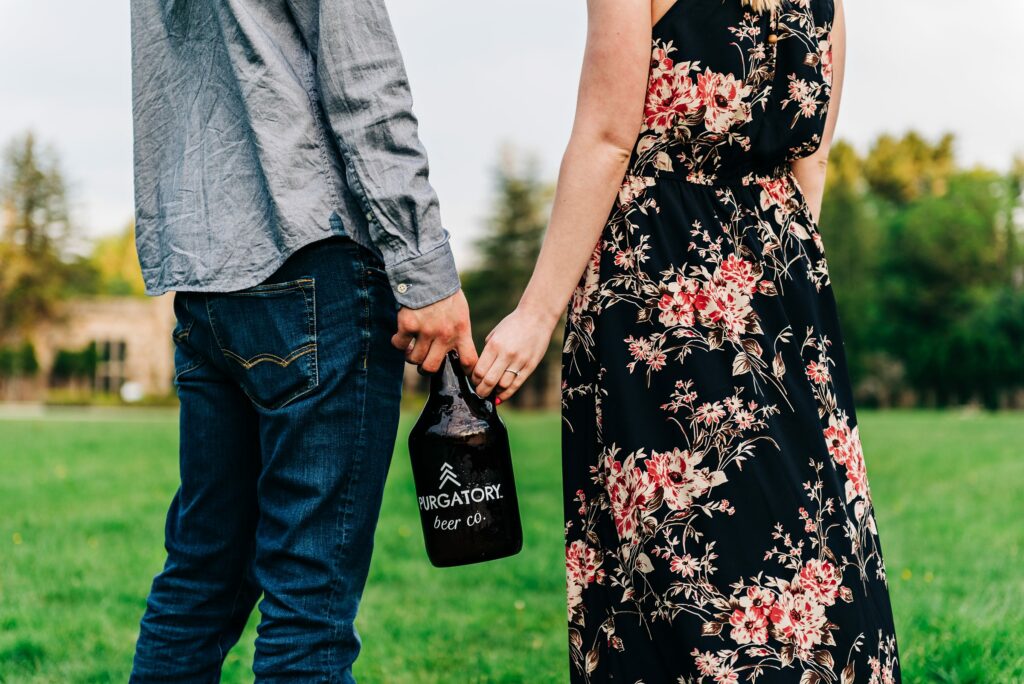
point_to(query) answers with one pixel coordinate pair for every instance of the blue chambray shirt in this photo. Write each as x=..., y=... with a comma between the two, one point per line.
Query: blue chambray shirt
x=265, y=125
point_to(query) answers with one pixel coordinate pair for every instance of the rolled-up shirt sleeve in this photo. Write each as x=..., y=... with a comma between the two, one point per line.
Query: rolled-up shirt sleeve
x=365, y=93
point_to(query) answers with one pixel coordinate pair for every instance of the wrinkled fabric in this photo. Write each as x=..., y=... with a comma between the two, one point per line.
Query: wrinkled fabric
x=265, y=125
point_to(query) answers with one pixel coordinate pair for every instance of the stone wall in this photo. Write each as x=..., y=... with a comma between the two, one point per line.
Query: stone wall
x=143, y=325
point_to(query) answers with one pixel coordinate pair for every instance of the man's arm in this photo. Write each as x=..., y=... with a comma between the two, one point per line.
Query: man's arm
x=365, y=92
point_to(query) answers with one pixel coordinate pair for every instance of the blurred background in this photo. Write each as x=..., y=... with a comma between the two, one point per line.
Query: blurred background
x=923, y=226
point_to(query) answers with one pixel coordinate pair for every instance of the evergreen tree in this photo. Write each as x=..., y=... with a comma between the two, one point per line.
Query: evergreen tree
x=507, y=253
x=851, y=228
x=34, y=232
x=945, y=263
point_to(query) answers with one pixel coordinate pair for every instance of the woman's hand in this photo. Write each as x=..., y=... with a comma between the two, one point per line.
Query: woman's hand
x=517, y=344
x=609, y=111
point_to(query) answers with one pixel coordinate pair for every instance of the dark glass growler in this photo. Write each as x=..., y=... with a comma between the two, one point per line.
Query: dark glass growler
x=463, y=471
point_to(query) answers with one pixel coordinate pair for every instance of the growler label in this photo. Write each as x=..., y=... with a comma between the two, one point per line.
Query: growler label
x=462, y=467
x=459, y=497
x=466, y=496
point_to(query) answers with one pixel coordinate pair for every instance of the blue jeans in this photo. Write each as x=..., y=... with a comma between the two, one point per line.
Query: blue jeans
x=289, y=396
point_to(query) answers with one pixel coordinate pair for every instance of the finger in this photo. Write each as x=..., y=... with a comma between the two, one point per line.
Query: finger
x=493, y=377
x=402, y=339
x=420, y=349
x=511, y=389
x=467, y=351
x=407, y=329
x=483, y=364
x=434, y=359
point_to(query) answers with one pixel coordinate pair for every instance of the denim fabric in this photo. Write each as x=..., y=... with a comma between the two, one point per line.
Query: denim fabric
x=264, y=125
x=289, y=406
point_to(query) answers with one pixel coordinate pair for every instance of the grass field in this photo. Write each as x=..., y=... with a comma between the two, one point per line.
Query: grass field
x=82, y=502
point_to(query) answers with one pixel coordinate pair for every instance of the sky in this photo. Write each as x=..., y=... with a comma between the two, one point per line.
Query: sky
x=487, y=74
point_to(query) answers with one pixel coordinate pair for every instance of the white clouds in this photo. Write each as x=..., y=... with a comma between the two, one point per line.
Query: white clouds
x=487, y=73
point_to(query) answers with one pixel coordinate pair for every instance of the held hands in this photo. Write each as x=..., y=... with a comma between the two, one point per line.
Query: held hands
x=427, y=334
x=512, y=352
x=518, y=343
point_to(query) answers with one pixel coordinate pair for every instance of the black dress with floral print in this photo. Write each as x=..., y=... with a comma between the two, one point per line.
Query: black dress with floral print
x=719, y=525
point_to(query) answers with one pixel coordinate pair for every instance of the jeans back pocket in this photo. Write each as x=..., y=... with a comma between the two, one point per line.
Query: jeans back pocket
x=267, y=335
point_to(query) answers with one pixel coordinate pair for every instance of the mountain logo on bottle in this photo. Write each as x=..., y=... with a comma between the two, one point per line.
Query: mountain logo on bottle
x=448, y=476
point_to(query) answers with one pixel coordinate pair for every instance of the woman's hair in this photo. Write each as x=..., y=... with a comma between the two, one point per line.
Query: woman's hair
x=763, y=5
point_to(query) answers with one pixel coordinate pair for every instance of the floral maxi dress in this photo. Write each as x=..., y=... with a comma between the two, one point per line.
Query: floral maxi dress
x=719, y=525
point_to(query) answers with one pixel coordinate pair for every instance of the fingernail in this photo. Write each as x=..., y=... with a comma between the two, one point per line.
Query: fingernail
x=497, y=402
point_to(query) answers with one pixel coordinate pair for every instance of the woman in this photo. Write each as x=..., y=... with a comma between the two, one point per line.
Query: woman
x=719, y=525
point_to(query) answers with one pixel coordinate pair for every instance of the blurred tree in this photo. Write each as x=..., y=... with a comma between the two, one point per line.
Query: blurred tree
x=26, y=361
x=852, y=231
x=984, y=363
x=116, y=264
x=75, y=366
x=34, y=231
x=507, y=254
x=901, y=170
x=927, y=267
x=946, y=257
x=18, y=361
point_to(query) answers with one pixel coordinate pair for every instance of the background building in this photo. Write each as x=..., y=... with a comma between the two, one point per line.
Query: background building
x=131, y=339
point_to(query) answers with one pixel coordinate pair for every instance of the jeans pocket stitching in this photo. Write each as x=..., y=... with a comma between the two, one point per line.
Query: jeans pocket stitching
x=273, y=288
x=188, y=369
x=181, y=332
x=270, y=358
x=307, y=288
x=182, y=335
x=195, y=362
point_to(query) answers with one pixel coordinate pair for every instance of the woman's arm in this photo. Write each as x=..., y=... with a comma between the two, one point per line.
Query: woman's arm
x=810, y=171
x=609, y=112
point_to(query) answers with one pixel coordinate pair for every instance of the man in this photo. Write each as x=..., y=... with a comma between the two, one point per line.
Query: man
x=282, y=192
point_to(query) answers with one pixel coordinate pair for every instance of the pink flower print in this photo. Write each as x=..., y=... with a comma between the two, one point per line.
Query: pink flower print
x=723, y=99
x=818, y=372
x=799, y=619
x=671, y=96
x=681, y=302
x=630, y=490
x=820, y=580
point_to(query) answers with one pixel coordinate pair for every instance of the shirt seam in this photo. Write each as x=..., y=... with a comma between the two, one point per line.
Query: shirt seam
x=312, y=95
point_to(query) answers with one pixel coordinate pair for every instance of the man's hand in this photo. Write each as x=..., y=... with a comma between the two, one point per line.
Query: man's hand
x=427, y=334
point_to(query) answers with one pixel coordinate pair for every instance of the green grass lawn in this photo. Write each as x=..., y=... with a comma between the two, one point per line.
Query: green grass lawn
x=81, y=513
